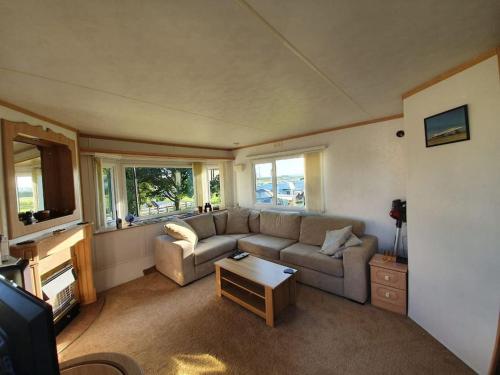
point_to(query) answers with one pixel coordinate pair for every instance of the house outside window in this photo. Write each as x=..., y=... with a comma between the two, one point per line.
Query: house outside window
x=280, y=182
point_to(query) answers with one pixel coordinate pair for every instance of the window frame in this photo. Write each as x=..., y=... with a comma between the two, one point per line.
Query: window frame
x=274, y=181
x=114, y=200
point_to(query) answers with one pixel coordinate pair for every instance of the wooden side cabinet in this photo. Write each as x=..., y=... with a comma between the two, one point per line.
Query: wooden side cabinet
x=389, y=284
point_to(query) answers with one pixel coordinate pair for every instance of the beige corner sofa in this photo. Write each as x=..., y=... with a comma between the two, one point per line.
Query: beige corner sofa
x=286, y=238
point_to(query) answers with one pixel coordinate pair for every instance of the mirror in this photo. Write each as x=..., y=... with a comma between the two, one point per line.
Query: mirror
x=29, y=180
x=41, y=191
x=40, y=168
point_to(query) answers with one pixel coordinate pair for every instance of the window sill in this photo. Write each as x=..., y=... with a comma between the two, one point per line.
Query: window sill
x=144, y=222
x=149, y=221
x=273, y=207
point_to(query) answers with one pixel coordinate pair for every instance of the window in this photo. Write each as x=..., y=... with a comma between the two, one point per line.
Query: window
x=290, y=182
x=214, y=185
x=29, y=185
x=280, y=182
x=264, y=183
x=109, y=195
x=150, y=189
x=158, y=190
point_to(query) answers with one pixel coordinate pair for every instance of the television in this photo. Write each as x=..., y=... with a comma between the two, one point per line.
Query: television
x=27, y=337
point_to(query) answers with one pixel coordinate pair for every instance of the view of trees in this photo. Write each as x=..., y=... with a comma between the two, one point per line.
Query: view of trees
x=147, y=185
x=215, y=189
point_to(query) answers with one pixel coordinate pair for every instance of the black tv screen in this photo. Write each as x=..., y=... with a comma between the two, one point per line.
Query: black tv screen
x=27, y=338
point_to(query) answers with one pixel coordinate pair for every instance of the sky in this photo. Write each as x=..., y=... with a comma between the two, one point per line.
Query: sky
x=445, y=121
x=291, y=167
x=24, y=182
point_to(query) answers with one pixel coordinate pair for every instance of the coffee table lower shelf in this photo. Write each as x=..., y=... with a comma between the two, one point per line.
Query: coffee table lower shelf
x=263, y=301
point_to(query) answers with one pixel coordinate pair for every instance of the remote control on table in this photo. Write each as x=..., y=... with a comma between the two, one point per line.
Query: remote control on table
x=240, y=255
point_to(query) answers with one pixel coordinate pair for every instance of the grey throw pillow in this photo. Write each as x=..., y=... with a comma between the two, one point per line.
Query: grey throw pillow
x=237, y=221
x=254, y=221
x=203, y=225
x=220, y=220
x=180, y=230
x=352, y=241
x=334, y=239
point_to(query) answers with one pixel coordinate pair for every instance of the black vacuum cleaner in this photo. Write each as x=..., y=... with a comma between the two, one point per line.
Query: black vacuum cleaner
x=398, y=212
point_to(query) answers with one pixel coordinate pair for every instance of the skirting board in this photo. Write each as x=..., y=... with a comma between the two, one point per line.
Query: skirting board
x=124, y=272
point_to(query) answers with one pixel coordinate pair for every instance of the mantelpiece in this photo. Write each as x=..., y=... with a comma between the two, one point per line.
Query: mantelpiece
x=50, y=251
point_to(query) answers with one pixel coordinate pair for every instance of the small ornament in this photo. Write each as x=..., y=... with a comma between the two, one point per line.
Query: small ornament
x=129, y=219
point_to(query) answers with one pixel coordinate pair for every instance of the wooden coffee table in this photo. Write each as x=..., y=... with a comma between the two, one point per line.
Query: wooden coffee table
x=256, y=284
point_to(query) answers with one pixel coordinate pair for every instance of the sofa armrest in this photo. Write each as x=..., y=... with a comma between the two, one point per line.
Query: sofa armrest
x=175, y=259
x=356, y=269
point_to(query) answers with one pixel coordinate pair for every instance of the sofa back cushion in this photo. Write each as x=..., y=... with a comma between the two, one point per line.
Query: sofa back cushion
x=203, y=225
x=280, y=224
x=237, y=221
x=180, y=230
x=254, y=221
x=220, y=220
x=313, y=228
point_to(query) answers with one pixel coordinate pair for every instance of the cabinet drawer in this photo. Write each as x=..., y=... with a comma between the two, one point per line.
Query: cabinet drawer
x=389, y=298
x=388, y=277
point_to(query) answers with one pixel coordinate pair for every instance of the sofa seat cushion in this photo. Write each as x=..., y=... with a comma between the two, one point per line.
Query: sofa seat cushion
x=203, y=225
x=313, y=228
x=264, y=245
x=212, y=247
x=280, y=224
x=308, y=256
x=238, y=236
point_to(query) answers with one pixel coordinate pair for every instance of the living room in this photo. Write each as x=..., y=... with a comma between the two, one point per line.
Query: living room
x=347, y=153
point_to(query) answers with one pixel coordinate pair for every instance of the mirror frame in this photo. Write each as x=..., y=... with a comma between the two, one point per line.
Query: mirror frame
x=11, y=131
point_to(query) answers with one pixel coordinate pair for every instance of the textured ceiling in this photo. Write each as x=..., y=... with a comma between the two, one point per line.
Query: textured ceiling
x=217, y=72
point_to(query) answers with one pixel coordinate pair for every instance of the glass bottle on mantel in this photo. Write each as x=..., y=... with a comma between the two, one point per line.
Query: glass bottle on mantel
x=118, y=221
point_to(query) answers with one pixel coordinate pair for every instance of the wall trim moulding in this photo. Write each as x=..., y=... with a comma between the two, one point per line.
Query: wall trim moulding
x=455, y=70
x=327, y=130
x=149, y=142
x=38, y=116
x=92, y=151
x=296, y=151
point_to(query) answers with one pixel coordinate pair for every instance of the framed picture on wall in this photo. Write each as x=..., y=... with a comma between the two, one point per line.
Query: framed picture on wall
x=447, y=127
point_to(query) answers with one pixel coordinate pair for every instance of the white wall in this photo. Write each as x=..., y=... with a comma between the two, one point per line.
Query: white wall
x=364, y=170
x=11, y=115
x=454, y=216
x=123, y=255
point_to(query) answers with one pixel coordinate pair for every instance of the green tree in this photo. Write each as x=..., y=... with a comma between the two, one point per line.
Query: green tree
x=158, y=184
x=215, y=189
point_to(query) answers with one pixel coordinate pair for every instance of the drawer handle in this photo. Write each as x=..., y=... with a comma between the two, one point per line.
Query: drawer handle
x=387, y=295
x=387, y=277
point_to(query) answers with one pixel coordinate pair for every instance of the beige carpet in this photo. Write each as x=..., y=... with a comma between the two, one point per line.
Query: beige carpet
x=173, y=330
